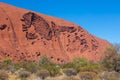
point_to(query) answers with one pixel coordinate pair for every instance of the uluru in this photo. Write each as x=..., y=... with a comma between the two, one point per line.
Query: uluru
x=27, y=35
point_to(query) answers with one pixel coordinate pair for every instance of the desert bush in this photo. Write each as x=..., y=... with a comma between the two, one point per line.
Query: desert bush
x=93, y=67
x=3, y=75
x=87, y=75
x=45, y=63
x=80, y=61
x=70, y=72
x=19, y=65
x=6, y=64
x=53, y=70
x=43, y=74
x=7, y=61
x=109, y=59
x=76, y=64
x=29, y=66
x=24, y=74
x=109, y=75
x=67, y=65
x=117, y=63
x=44, y=60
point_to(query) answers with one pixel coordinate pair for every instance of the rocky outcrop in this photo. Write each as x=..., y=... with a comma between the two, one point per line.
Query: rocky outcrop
x=26, y=35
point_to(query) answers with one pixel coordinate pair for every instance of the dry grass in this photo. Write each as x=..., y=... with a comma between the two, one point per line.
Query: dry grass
x=12, y=77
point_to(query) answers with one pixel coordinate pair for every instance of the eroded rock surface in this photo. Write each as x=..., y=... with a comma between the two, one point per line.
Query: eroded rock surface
x=27, y=35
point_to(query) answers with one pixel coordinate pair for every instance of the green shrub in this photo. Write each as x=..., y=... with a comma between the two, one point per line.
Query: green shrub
x=7, y=61
x=29, y=66
x=6, y=64
x=67, y=65
x=43, y=74
x=3, y=75
x=19, y=65
x=44, y=60
x=80, y=61
x=76, y=64
x=53, y=68
x=91, y=67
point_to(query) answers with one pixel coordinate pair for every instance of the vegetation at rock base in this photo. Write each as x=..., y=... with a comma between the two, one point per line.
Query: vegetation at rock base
x=43, y=74
x=111, y=61
x=87, y=75
x=76, y=64
x=70, y=72
x=79, y=69
x=23, y=75
x=29, y=66
x=45, y=63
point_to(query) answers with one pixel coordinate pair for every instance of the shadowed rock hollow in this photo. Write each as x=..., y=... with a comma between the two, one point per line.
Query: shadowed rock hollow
x=26, y=35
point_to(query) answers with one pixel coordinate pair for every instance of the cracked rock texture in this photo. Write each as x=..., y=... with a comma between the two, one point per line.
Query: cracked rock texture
x=26, y=35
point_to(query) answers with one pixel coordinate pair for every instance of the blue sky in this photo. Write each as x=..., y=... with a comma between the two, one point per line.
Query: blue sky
x=99, y=17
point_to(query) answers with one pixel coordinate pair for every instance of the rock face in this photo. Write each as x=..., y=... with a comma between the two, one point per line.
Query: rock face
x=26, y=35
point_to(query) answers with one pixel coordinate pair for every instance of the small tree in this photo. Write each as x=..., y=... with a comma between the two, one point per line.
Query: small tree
x=108, y=61
x=117, y=46
x=117, y=63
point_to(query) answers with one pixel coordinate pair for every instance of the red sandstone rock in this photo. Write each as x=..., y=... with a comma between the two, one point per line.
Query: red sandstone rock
x=26, y=35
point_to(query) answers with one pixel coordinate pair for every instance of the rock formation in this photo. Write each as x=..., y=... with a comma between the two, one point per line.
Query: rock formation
x=26, y=35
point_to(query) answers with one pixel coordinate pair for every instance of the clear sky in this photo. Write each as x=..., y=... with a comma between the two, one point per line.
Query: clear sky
x=99, y=17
